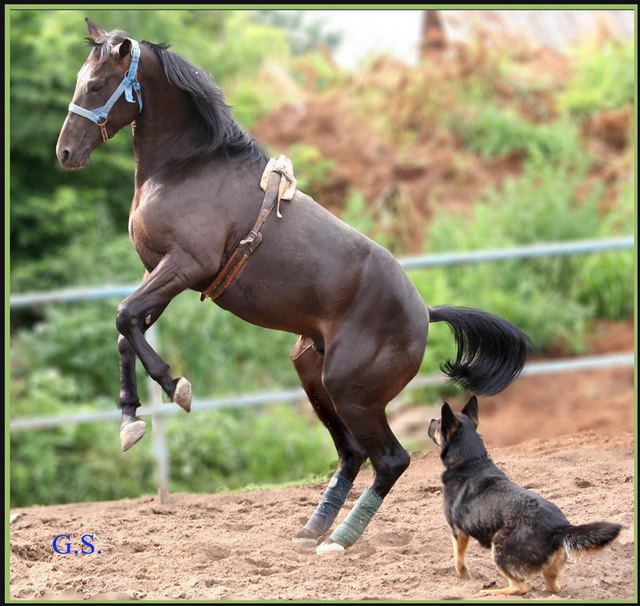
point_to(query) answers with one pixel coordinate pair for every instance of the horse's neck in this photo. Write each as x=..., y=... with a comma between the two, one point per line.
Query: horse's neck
x=164, y=137
x=170, y=142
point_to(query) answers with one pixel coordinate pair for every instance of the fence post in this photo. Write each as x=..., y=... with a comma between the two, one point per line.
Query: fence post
x=160, y=452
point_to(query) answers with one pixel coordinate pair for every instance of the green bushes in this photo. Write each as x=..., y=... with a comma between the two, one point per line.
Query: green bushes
x=495, y=132
x=230, y=449
x=208, y=451
x=603, y=81
x=77, y=463
x=219, y=352
x=77, y=343
x=552, y=299
x=603, y=284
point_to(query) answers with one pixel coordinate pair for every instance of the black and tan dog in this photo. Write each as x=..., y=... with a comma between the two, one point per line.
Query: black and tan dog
x=526, y=533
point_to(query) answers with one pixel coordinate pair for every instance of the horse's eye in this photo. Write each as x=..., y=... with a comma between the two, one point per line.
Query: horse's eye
x=95, y=88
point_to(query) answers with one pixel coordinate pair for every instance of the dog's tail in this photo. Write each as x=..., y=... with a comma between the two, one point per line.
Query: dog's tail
x=491, y=350
x=589, y=537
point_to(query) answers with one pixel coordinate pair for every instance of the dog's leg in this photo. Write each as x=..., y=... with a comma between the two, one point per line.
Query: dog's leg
x=516, y=587
x=552, y=569
x=460, y=542
x=505, y=548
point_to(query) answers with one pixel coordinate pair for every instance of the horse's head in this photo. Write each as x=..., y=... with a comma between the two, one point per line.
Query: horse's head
x=106, y=98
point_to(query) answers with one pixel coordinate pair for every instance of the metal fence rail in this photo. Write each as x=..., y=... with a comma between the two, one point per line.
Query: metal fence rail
x=296, y=395
x=158, y=410
x=548, y=249
x=73, y=295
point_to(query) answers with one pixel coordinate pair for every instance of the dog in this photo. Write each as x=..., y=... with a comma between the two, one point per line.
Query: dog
x=526, y=533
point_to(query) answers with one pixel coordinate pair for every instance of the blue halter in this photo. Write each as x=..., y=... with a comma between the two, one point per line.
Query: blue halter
x=129, y=86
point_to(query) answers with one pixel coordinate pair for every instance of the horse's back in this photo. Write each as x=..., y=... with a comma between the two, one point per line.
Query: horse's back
x=313, y=271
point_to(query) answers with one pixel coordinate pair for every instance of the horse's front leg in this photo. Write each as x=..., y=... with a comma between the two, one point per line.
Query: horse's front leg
x=132, y=427
x=174, y=274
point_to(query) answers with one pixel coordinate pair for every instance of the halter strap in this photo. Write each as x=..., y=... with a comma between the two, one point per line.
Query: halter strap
x=129, y=86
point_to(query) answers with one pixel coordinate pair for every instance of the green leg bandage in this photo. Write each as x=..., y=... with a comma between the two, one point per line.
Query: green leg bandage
x=356, y=521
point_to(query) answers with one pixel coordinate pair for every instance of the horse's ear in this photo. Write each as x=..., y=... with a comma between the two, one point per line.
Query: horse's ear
x=124, y=48
x=95, y=32
x=448, y=422
x=471, y=410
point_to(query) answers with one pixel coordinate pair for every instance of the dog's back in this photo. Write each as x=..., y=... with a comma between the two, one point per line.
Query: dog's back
x=480, y=500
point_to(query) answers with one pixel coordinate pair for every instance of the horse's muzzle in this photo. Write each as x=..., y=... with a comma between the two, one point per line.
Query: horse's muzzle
x=71, y=160
x=76, y=141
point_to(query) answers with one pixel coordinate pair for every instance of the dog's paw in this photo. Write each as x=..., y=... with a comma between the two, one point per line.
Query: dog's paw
x=464, y=574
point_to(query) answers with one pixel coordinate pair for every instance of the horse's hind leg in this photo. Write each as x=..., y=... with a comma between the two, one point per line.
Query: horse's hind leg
x=361, y=379
x=308, y=364
x=389, y=462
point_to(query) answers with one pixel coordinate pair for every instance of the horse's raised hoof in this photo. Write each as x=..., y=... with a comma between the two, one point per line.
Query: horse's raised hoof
x=182, y=394
x=330, y=547
x=131, y=433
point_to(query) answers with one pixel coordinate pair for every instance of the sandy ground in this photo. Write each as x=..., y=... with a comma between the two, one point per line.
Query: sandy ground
x=239, y=547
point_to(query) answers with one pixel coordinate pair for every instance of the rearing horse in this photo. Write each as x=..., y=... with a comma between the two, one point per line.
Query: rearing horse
x=362, y=323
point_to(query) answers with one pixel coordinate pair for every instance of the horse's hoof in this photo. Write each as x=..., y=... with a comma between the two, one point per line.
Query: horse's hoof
x=182, y=394
x=305, y=542
x=330, y=547
x=131, y=434
x=306, y=538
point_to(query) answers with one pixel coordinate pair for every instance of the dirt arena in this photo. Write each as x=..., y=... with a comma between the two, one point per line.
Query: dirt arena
x=568, y=437
x=238, y=546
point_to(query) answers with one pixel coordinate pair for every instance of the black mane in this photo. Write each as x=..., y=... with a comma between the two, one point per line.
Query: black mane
x=224, y=135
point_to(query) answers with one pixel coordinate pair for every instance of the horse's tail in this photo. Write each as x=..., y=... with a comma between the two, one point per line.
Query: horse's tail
x=491, y=350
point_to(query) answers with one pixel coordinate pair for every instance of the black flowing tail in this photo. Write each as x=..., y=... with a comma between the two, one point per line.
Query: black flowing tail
x=589, y=537
x=491, y=350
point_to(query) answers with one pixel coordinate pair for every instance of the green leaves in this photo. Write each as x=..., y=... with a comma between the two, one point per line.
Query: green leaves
x=603, y=80
x=496, y=133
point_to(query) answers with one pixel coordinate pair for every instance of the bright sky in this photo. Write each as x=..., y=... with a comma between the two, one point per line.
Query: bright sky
x=365, y=31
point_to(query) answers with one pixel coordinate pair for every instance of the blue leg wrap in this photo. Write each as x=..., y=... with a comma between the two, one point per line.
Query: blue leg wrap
x=332, y=500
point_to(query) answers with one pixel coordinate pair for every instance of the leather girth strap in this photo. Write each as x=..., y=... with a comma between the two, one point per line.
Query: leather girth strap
x=250, y=243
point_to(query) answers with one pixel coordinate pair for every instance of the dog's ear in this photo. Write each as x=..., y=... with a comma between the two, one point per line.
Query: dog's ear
x=448, y=422
x=471, y=410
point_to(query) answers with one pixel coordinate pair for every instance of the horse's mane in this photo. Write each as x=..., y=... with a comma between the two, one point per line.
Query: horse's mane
x=224, y=135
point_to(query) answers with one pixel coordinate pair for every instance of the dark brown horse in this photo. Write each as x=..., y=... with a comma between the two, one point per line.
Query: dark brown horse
x=362, y=323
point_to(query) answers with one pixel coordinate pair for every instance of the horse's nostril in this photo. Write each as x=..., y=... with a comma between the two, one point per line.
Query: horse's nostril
x=63, y=155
